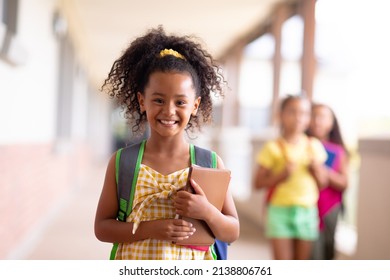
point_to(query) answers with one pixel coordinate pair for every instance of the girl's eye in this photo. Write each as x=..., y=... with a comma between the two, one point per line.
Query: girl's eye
x=180, y=103
x=158, y=101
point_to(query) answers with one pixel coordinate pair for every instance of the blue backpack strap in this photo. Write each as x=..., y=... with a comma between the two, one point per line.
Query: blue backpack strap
x=206, y=158
x=127, y=164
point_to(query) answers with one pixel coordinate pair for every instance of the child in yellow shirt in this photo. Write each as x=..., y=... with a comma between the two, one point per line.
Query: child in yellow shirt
x=291, y=167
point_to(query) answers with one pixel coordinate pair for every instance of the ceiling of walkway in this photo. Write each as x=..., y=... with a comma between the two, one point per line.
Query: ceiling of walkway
x=101, y=29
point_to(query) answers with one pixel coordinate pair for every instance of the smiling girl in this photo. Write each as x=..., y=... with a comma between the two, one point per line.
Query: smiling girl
x=164, y=82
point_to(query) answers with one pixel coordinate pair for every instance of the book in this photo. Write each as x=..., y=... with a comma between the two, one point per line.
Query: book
x=214, y=183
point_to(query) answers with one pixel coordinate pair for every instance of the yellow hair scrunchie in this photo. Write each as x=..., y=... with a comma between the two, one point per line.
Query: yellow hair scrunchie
x=165, y=52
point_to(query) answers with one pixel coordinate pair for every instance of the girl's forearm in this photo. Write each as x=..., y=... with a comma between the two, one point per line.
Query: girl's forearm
x=114, y=231
x=270, y=180
x=337, y=180
x=225, y=227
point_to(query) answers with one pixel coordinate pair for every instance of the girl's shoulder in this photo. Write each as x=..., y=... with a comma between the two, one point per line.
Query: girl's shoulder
x=272, y=147
x=316, y=149
x=314, y=141
x=333, y=146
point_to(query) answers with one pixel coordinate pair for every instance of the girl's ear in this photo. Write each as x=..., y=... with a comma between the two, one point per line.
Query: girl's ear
x=196, y=106
x=141, y=102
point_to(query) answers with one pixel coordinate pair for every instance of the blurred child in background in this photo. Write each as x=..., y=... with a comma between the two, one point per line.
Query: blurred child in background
x=291, y=166
x=325, y=127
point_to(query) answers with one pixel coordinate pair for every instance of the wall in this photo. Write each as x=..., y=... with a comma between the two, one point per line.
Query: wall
x=27, y=122
x=28, y=102
x=43, y=162
x=373, y=224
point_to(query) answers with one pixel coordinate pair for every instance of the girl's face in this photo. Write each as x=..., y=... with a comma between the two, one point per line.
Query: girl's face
x=295, y=116
x=321, y=122
x=169, y=101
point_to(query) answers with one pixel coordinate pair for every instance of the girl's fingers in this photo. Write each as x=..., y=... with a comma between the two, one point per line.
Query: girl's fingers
x=197, y=188
x=180, y=223
x=182, y=232
x=182, y=195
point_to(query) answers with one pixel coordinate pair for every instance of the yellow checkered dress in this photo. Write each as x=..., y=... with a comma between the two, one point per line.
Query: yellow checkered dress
x=152, y=200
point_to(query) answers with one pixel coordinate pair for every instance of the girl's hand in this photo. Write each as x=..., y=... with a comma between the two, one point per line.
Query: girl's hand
x=313, y=168
x=170, y=229
x=289, y=169
x=192, y=205
x=319, y=172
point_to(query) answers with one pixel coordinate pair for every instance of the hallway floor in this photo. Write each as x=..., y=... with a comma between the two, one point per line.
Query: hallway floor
x=69, y=234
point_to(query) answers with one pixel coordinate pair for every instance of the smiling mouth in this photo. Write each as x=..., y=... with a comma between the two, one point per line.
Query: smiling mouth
x=165, y=122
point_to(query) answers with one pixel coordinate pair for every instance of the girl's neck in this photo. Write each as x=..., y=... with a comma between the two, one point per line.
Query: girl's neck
x=292, y=138
x=322, y=138
x=166, y=155
x=325, y=139
x=165, y=145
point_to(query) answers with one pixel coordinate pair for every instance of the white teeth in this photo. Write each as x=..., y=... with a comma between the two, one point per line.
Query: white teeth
x=167, y=122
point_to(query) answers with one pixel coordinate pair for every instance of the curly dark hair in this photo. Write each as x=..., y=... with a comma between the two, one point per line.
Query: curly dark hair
x=130, y=73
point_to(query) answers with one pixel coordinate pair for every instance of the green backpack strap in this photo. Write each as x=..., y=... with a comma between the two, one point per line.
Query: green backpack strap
x=127, y=164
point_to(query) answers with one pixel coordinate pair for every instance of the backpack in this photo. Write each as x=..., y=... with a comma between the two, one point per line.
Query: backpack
x=127, y=164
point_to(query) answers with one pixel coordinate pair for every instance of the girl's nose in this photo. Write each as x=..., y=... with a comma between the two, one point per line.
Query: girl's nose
x=169, y=109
